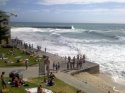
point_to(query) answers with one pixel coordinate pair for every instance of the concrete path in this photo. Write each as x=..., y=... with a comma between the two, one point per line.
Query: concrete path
x=67, y=78
x=29, y=73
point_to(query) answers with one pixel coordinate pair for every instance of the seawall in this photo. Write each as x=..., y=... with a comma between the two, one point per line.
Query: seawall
x=90, y=67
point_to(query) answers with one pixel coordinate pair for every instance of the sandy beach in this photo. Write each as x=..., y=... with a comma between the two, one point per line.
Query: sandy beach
x=101, y=81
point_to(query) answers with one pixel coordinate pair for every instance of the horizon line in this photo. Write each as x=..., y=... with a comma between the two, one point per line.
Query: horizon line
x=66, y=22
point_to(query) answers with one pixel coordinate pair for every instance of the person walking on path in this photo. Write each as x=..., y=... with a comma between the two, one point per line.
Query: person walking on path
x=26, y=64
x=3, y=82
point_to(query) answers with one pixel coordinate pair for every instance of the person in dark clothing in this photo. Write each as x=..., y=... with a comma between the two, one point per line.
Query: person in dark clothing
x=58, y=65
x=54, y=65
x=50, y=79
x=73, y=63
x=3, y=82
x=26, y=64
x=1, y=91
x=56, y=68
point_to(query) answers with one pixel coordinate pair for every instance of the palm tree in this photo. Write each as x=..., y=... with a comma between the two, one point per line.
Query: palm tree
x=3, y=27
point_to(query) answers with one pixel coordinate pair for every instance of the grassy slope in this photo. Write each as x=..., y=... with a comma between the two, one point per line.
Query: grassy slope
x=32, y=60
x=59, y=87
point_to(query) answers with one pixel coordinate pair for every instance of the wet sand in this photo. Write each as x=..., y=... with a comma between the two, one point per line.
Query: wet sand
x=101, y=81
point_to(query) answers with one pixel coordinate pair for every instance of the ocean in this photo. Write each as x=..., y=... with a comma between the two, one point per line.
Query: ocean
x=101, y=43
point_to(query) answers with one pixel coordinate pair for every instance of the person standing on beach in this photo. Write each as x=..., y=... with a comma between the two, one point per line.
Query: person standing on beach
x=3, y=83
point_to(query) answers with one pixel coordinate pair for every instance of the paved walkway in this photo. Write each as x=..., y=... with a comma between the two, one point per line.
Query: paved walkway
x=29, y=73
x=67, y=78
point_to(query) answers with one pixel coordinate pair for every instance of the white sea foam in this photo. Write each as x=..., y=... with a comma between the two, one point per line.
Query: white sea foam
x=121, y=38
x=111, y=57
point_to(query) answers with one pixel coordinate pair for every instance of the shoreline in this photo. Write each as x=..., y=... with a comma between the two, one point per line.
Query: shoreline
x=102, y=81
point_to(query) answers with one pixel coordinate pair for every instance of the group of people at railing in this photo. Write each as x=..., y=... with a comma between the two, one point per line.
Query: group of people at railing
x=75, y=62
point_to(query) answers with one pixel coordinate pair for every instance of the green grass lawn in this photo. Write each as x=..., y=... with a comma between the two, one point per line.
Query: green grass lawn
x=13, y=58
x=59, y=87
x=21, y=89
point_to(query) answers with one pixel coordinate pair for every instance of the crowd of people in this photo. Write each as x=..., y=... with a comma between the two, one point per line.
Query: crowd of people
x=75, y=62
x=16, y=80
x=56, y=66
x=19, y=43
x=28, y=48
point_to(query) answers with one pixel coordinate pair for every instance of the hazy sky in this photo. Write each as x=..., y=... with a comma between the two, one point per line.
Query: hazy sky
x=95, y=11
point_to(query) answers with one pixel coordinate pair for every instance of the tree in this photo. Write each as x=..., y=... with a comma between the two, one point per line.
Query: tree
x=3, y=27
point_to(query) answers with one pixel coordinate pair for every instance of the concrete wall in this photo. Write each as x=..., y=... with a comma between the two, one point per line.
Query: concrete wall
x=92, y=70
